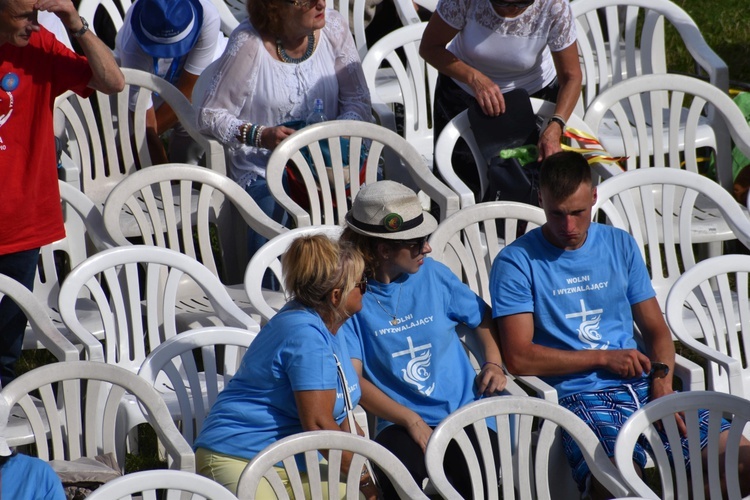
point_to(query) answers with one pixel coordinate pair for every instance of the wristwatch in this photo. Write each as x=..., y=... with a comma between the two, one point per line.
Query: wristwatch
x=82, y=31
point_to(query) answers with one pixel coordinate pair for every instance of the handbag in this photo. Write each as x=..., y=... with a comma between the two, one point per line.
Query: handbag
x=503, y=140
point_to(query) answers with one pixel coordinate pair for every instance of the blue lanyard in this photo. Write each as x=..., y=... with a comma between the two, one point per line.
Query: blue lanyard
x=174, y=69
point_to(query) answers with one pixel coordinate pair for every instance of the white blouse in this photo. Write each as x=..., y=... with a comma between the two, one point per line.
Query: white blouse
x=249, y=85
x=513, y=52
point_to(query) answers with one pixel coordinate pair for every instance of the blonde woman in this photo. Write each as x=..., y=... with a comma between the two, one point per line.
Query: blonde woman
x=288, y=381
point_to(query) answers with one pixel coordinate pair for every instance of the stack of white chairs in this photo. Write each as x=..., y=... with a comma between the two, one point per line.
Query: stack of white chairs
x=136, y=291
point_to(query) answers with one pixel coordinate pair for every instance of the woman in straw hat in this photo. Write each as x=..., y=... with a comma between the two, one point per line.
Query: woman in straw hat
x=404, y=339
x=289, y=381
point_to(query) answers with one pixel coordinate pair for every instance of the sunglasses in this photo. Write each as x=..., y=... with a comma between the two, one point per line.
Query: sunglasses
x=417, y=244
x=512, y=5
x=362, y=285
x=305, y=5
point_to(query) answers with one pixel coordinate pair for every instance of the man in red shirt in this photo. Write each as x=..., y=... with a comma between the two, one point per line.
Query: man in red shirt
x=34, y=69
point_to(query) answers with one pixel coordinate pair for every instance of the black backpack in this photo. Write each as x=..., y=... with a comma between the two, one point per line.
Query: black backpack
x=518, y=126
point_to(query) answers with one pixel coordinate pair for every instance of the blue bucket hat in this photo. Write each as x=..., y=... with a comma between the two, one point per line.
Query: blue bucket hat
x=167, y=28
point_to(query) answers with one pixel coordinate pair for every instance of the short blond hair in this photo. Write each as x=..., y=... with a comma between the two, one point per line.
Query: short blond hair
x=314, y=266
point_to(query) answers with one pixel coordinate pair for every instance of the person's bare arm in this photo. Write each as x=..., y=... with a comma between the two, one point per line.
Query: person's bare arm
x=379, y=404
x=106, y=75
x=155, y=145
x=657, y=340
x=315, y=409
x=436, y=36
x=165, y=115
x=569, y=78
x=524, y=357
x=491, y=379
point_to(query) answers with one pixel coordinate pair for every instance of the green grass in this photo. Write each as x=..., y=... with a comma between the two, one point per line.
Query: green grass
x=724, y=25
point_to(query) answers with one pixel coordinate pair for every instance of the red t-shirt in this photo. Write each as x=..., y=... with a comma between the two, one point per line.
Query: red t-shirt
x=30, y=214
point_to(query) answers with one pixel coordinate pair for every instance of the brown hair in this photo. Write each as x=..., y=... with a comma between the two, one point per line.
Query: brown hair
x=314, y=266
x=266, y=16
x=562, y=173
x=368, y=247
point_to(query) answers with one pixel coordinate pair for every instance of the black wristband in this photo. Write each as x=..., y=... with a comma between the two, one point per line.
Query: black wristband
x=558, y=120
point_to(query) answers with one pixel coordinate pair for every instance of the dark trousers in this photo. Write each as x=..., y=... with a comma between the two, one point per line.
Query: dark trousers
x=21, y=266
x=397, y=440
x=450, y=100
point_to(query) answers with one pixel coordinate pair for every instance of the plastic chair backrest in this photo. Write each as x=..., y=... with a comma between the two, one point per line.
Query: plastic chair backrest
x=268, y=258
x=161, y=199
x=524, y=455
x=714, y=293
x=195, y=366
x=459, y=127
x=115, y=11
x=307, y=444
x=665, y=132
x=661, y=413
x=110, y=143
x=136, y=290
x=80, y=411
x=322, y=195
x=637, y=26
x=416, y=81
x=168, y=483
x=657, y=207
x=469, y=240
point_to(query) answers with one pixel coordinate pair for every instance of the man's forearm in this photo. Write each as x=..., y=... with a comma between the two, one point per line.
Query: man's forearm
x=106, y=75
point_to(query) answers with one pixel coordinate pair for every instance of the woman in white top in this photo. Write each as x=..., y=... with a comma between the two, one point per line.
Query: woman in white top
x=287, y=54
x=484, y=48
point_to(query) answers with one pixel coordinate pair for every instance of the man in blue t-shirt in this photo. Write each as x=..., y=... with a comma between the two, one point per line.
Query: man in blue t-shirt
x=565, y=297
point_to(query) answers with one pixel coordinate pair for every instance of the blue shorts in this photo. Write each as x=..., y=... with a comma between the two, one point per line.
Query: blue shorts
x=605, y=412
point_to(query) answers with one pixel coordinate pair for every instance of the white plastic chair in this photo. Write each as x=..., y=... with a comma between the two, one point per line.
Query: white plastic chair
x=161, y=199
x=46, y=336
x=307, y=444
x=79, y=416
x=164, y=484
x=321, y=193
x=136, y=290
x=660, y=412
x=416, y=82
x=526, y=429
x=710, y=301
x=191, y=369
x=459, y=126
x=657, y=122
x=84, y=235
x=268, y=257
x=637, y=27
x=659, y=207
x=110, y=143
x=469, y=240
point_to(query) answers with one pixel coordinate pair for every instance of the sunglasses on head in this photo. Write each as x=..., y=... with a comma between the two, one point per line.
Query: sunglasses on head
x=304, y=4
x=511, y=5
x=362, y=285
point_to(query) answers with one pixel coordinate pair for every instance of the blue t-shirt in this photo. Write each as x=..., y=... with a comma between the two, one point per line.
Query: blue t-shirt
x=420, y=361
x=30, y=478
x=293, y=352
x=580, y=299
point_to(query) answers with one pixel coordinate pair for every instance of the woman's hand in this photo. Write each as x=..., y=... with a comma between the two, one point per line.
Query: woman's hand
x=420, y=432
x=488, y=94
x=491, y=379
x=368, y=488
x=270, y=137
x=549, y=141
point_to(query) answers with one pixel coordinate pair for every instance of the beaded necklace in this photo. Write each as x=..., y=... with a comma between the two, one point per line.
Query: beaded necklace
x=296, y=60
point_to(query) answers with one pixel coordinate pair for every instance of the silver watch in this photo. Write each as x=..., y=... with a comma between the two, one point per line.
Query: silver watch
x=83, y=30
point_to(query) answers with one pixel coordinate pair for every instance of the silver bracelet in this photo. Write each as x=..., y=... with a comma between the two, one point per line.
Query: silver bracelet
x=258, y=136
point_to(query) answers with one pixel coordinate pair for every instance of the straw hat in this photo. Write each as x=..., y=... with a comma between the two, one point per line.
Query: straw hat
x=391, y=211
x=167, y=28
